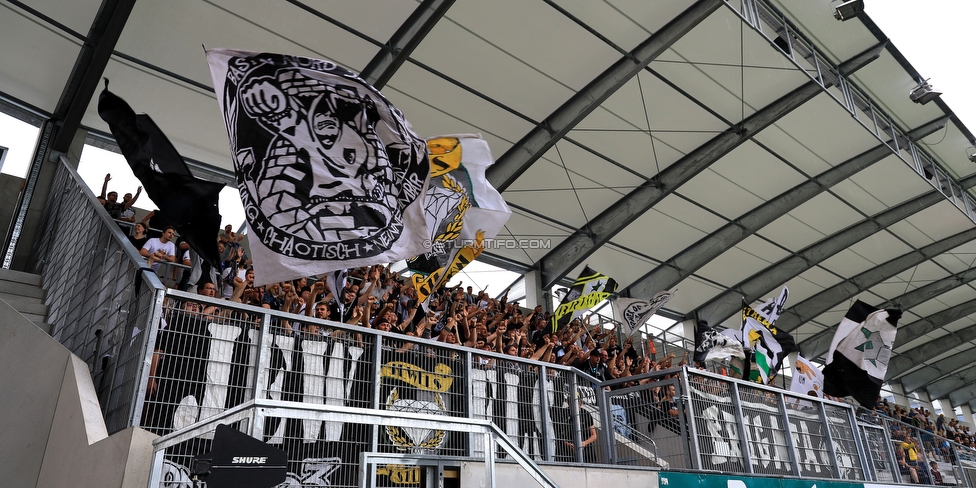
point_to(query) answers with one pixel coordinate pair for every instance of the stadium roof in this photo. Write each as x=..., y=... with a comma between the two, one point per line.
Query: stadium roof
x=721, y=148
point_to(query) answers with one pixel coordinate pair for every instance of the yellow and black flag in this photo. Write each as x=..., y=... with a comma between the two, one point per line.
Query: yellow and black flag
x=769, y=345
x=587, y=291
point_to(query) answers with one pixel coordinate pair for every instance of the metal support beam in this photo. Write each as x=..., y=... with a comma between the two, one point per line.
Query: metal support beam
x=935, y=321
x=730, y=302
x=520, y=156
x=963, y=395
x=952, y=382
x=88, y=69
x=909, y=359
x=571, y=252
x=820, y=342
x=692, y=258
x=810, y=308
x=384, y=65
x=945, y=367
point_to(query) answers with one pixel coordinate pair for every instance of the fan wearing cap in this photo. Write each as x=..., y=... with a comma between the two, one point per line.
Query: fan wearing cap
x=594, y=363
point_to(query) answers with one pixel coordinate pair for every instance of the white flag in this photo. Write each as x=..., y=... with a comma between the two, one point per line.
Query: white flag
x=632, y=313
x=807, y=378
x=330, y=173
x=462, y=209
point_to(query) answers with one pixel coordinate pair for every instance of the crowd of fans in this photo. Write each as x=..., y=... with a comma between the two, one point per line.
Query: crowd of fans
x=375, y=297
x=921, y=443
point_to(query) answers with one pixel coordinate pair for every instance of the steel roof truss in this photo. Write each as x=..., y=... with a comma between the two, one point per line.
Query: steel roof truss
x=754, y=288
x=576, y=248
x=88, y=69
x=710, y=247
x=520, y=156
x=820, y=343
x=384, y=65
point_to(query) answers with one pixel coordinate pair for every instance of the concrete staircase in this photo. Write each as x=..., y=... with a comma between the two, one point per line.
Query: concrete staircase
x=23, y=292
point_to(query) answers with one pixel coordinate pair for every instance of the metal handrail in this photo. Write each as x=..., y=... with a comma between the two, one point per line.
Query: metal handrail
x=278, y=408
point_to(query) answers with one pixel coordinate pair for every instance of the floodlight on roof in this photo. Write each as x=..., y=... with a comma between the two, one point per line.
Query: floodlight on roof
x=972, y=158
x=848, y=10
x=924, y=93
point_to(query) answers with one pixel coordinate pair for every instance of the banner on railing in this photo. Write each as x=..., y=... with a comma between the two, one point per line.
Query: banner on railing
x=204, y=368
x=718, y=435
x=695, y=480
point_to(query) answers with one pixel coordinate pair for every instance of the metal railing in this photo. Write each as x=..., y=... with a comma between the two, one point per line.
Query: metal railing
x=322, y=463
x=173, y=362
x=101, y=298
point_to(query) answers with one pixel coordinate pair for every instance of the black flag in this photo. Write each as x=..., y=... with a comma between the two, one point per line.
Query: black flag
x=857, y=360
x=188, y=203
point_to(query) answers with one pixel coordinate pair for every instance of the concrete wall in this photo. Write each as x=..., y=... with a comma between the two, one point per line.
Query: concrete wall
x=52, y=429
x=10, y=187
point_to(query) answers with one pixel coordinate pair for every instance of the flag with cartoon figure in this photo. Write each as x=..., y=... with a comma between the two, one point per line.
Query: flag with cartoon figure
x=807, y=378
x=330, y=173
x=769, y=345
x=462, y=209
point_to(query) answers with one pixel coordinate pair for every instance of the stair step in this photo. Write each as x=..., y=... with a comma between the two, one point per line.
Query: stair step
x=46, y=327
x=36, y=318
x=25, y=305
x=20, y=277
x=14, y=288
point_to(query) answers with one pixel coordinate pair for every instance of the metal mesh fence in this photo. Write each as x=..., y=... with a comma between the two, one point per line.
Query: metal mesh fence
x=767, y=433
x=716, y=432
x=100, y=299
x=810, y=437
x=915, y=448
x=648, y=427
x=844, y=442
x=421, y=378
x=201, y=364
x=509, y=393
x=878, y=453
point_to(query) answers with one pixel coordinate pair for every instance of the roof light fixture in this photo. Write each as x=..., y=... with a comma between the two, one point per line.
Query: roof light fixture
x=848, y=10
x=924, y=93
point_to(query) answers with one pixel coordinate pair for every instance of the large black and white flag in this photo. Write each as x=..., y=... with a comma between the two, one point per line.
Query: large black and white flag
x=190, y=204
x=859, y=352
x=331, y=174
x=587, y=291
x=632, y=313
x=711, y=344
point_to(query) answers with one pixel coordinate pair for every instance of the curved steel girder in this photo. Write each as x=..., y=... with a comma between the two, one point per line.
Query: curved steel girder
x=812, y=307
x=938, y=378
x=692, y=258
x=385, y=64
x=945, y=367
x=932, y=322
x=754, y=288
x=820, y=342
x=519, y=157
x=909, y=359
x=571, y=252
x=963, y=395
x=89, y=66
